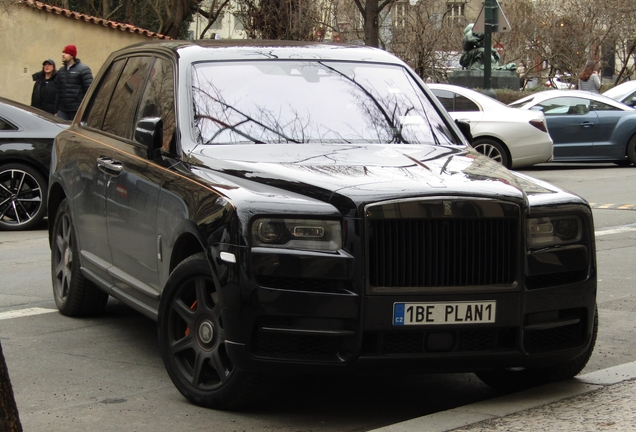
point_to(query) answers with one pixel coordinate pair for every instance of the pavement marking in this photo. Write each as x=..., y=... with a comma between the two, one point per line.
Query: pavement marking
x=613, y=206
x=24, y=312
x=615, y=230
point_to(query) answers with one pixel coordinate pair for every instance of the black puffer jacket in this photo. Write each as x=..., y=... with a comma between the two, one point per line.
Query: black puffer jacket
x=44, y=92
x=72, y=84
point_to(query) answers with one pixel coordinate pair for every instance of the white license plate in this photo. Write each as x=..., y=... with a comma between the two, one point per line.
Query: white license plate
x=443, y=313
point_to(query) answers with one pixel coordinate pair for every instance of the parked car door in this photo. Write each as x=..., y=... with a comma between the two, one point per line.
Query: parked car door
x=572, y=125
x=132, y=191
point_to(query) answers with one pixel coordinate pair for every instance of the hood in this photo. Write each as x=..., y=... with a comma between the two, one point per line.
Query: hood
x=355, y=174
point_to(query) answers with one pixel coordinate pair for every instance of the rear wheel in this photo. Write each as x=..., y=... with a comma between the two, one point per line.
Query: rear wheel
x=74, y=295
x=493, y=150
x=508, y=380
x=192, y=340
x=22, y=197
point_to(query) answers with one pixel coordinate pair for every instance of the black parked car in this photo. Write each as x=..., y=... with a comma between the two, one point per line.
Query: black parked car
x=290, y=207
x=26, y=139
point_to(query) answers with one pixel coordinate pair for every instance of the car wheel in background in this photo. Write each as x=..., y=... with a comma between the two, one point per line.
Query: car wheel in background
x=192, y=340
x=493, y=150
x=74, y=295
x=22, y=197
x=631, y=149
x=508, y=380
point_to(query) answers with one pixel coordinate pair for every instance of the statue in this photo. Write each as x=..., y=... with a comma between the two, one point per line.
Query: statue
x=473, y=55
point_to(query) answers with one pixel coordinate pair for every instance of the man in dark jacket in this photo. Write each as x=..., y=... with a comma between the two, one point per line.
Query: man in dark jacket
x=73, y=80
x=45, y=87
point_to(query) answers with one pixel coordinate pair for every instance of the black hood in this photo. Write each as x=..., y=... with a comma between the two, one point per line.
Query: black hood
x=355, y=174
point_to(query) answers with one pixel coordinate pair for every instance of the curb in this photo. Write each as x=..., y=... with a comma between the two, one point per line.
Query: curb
x=513, y=403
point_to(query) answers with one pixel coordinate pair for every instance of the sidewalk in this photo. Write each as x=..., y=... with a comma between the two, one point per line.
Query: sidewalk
x=598, y=401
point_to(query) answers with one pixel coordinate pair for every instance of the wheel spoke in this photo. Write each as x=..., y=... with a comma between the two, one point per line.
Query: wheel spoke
x=200, y=361
x=184, y=312
x=203, y=298
x=217, y=363
x=187, y=342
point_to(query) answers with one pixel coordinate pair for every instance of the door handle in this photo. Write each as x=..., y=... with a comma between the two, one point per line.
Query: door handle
x=110, y=165
x=587, y=124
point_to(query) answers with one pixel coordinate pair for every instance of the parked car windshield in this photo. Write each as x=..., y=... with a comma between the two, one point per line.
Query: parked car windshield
x=313, y=102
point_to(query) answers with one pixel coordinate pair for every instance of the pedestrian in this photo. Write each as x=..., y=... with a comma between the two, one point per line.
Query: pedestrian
x=589, y=79
x=73, y=80
x=45, y=87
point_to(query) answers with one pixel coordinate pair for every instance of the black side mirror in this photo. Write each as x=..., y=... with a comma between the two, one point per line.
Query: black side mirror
x=464, y=128
x=149, y=132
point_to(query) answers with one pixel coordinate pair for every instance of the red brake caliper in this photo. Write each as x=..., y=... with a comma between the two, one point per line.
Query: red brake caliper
x=193, y=307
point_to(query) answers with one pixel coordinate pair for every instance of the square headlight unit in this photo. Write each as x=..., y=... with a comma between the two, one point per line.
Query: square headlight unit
x=305, y=234
x=554, y=230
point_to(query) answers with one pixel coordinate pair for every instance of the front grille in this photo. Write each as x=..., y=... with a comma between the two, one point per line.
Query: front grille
x=442, y=252
x=296, y=347
x=550, y=339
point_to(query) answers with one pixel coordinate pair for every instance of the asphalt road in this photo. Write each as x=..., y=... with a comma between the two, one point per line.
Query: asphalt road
x=106, y=374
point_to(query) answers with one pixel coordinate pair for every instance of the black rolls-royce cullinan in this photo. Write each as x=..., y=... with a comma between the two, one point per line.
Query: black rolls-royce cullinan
x=311, y=208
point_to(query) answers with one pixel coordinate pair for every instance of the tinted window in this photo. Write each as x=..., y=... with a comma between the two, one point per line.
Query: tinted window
x=313, y=101
x=462, y=103
x=6, y=126
x=565, y=105
x=97, y=108
x=447, y=98
x=600, y=106
x=123, y=105
x=158, y=99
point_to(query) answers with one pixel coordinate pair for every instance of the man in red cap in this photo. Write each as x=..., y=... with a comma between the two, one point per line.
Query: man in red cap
x=73, y=80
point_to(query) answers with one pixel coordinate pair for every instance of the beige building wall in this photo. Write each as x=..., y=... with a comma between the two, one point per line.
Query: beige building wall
x=29, y=36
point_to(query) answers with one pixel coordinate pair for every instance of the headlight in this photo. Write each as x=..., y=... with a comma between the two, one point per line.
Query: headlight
x=550, y=231
x=320, y=235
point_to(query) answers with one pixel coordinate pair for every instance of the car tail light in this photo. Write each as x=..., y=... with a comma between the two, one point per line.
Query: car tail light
x=539, y=124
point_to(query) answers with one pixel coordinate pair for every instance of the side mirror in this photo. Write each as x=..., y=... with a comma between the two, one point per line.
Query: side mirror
x=149, y=133
x=464, y=128
x=536, y=108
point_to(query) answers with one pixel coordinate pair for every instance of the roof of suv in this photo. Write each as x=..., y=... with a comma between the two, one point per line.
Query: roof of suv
x=252, y=49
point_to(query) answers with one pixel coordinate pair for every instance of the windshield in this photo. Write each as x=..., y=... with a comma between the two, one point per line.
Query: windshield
x=312, y=102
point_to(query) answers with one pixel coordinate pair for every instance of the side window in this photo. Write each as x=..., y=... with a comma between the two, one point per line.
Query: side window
x=462, y=103
x=121, y=110
x=94, y=115
x=158, y=100
x=6, y=126
x=566, y=106
x=446, y=98
x=600, y=106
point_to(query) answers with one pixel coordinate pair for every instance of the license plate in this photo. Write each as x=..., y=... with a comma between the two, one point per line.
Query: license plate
x=443, y=313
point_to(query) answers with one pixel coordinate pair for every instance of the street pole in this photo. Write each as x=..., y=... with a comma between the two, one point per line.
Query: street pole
x=488, y=9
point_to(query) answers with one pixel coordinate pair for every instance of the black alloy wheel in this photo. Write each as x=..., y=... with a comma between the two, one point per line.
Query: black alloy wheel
x=631, y=150
x=22, y=197
x=192, y=340
x=493, y=150
x=74, y=295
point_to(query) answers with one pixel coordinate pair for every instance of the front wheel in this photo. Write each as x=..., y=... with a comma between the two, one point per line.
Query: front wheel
x=631, y=150
x=493, y=150
x=508, y=380
x=22, y=197
x=192, y=340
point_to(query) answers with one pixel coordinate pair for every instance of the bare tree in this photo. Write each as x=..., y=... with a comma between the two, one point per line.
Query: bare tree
x=213, y=12
x=279, y=19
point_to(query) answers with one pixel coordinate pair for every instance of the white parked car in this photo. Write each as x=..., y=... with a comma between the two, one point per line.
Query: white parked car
x=514, y=137
x=562, y=82
x=625, y=92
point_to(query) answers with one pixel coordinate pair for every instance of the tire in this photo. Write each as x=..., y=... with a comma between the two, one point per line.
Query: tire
x=192, y=340
x=22, y=197
x=508, y=380
x=74, y=294
x=493, y=150
x=631, y=150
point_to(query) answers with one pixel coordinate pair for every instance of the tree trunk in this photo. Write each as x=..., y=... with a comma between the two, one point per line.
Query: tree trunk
x=9, y=418
x=371, y=26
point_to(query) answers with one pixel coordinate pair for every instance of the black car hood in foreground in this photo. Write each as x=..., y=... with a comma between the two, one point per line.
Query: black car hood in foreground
x=360, y=173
